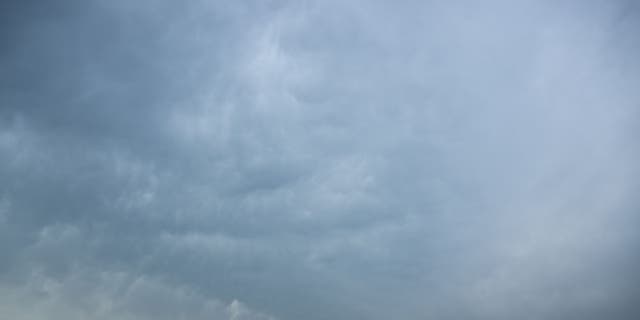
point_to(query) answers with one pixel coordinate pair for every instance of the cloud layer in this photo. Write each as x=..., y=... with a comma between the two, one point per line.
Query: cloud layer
x=319, y=160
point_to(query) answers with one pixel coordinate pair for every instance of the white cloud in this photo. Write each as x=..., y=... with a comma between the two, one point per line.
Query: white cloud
x=92, y=295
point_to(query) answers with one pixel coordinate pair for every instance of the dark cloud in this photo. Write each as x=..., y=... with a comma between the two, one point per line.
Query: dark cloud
x=319, y=160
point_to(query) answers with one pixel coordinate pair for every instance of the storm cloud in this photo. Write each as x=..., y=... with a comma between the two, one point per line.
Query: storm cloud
x=319, y=160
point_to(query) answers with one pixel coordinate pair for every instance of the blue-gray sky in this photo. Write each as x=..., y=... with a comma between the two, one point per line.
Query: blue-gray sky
x=242, y=160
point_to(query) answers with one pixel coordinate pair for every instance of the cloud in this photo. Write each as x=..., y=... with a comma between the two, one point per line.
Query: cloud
x=107, y=295
x=319, y=160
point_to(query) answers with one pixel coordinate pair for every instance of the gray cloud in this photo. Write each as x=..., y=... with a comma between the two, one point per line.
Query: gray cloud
x=319, y=160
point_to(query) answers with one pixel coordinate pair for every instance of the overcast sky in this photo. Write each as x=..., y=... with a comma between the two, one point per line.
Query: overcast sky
x=288, y=160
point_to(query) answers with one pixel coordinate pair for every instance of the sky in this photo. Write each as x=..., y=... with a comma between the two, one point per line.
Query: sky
x=319, y=159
